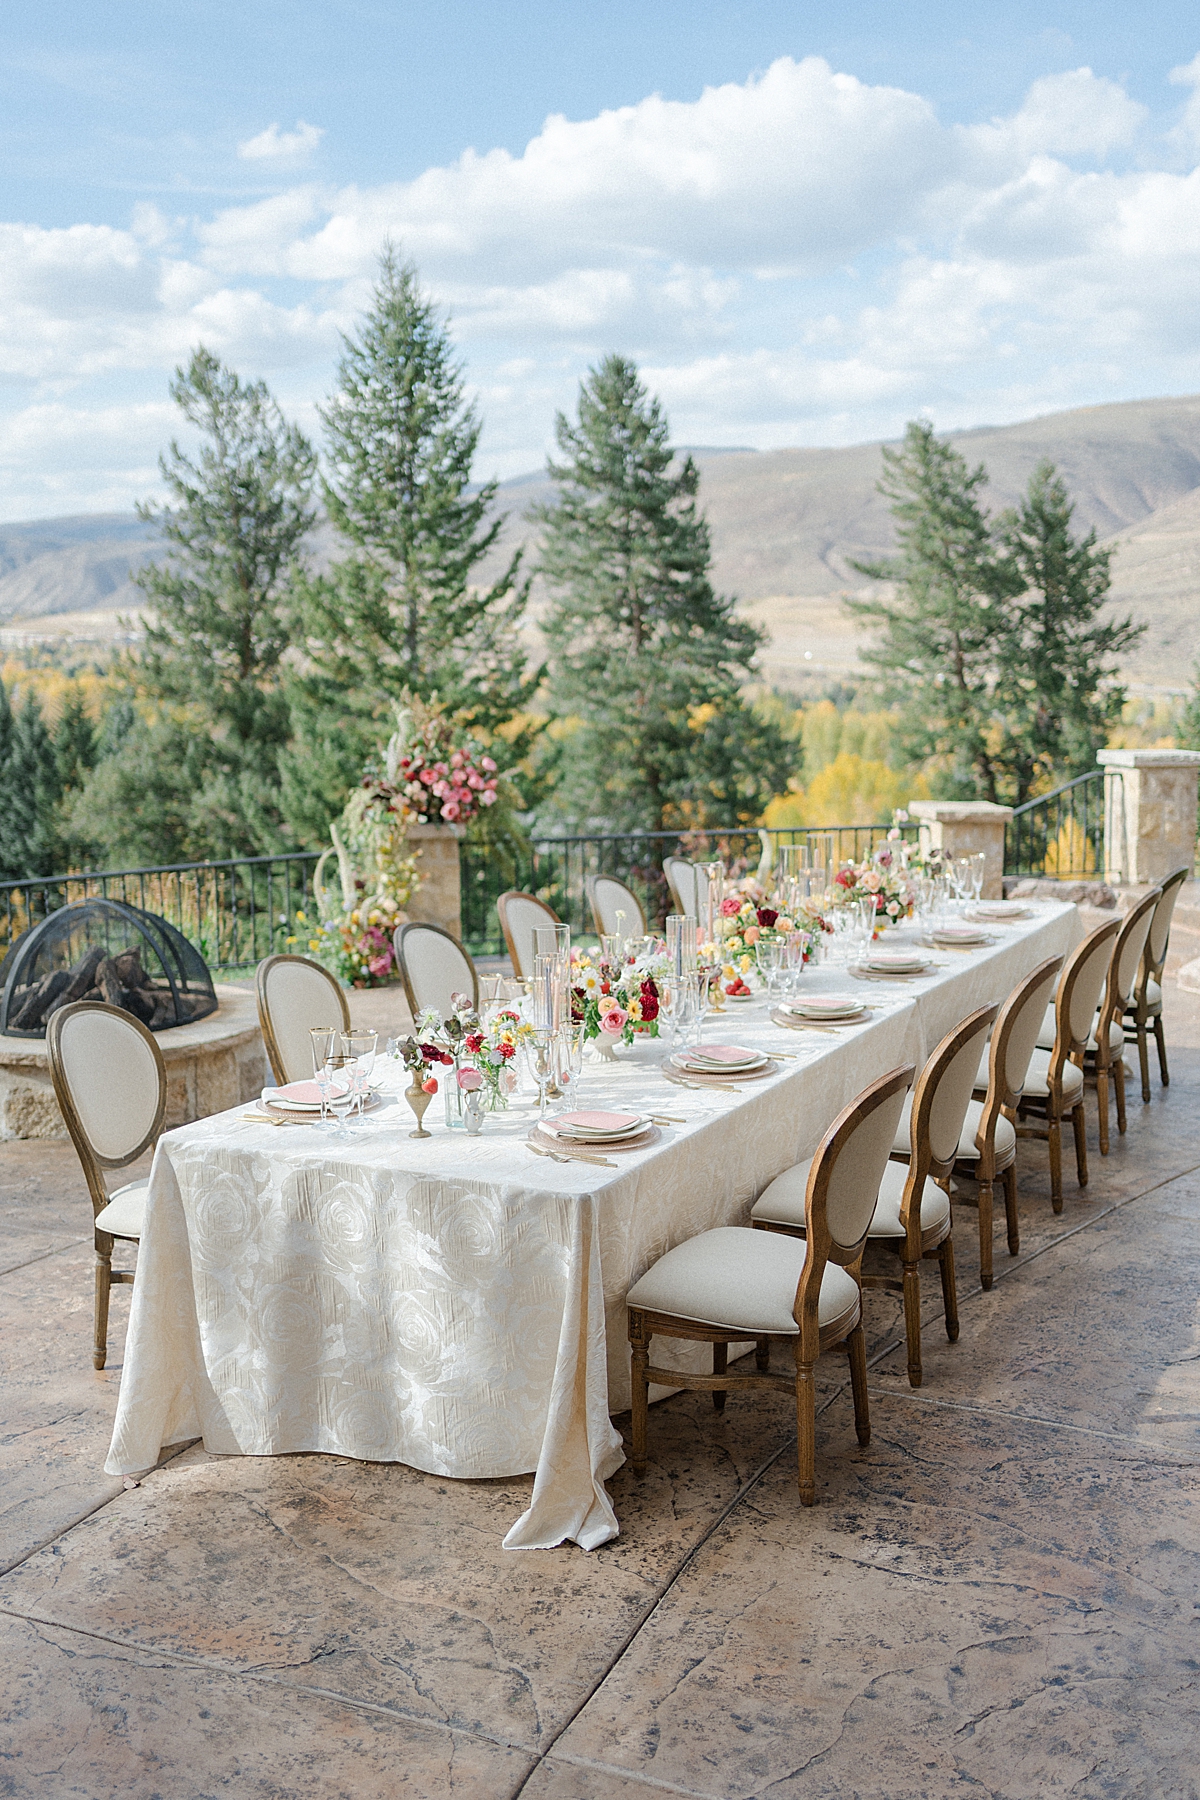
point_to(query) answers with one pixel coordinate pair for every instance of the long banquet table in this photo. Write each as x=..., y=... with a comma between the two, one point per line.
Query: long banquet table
x=456, y=1303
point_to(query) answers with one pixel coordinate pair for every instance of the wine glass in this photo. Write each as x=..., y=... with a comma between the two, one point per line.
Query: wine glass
x=978, y=864
x=570, y=1043
x=326, y=1041
x=359, y=1049
x=541, y=1064
x=770, y=962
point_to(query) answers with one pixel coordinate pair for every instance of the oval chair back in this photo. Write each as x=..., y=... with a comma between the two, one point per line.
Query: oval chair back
x=683, y=881
x=1155, y=954
x=295, y=994
x=1078, y=993
x=433, y=967
x=520, y=915
x=843, y=1184
x=1014, y=1040
x=111, y=1086
x=1123, y=969
x=1145, y=1007
x=940, y=1101
x=607, y=897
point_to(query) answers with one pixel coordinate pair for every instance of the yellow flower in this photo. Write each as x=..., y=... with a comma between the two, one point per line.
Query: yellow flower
x=745, y=964
x=354, y=918
x=634, y=1009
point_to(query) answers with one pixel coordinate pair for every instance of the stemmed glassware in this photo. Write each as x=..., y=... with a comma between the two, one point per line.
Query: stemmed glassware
x=358, y=1049
x=770, y=963
x=326, y=1048
x=793, y=962
x=978, y=864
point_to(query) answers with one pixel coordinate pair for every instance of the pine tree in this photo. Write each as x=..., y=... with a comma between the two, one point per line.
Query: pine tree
x=30, y=790
x=951, y=633
x=400, y=614
x=219, y=628
x=74, y=742
x=1060, y=698
x=646, y=661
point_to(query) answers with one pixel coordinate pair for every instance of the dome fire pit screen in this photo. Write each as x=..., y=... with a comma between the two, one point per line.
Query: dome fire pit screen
x=103, y=950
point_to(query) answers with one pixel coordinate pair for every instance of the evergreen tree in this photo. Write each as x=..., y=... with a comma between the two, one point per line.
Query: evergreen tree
x=949, y=637
x=219, y=628
x=74, y=742
x=646, y=661
x=400, y=614
x=1060, y=698
x=30, y=789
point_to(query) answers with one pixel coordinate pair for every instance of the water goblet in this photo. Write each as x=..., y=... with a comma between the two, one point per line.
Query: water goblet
x=325, y=1040
x=770, y=962
x=359, y=1051
x=541, y=1064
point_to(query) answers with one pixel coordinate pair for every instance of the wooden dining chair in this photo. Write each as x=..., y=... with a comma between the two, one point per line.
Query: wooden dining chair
x=1105, y=1052
x=294, y=995
x=1053, y=1090
x=111, y=1087
x=912, y=1210
x=1144, y=1011
x=683, y=884
x=607, y=897
x=987, y=1148
x=520, y=915
x=734, y=1285
x=434, y=966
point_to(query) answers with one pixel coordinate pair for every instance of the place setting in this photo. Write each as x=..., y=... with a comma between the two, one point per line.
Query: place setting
x=886, y=964
x=718, y=1065
x=590, y=1136
x=821, y=1012
x=955, y=935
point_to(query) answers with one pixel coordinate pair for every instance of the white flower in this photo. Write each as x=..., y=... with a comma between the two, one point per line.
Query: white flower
x=428, y=1020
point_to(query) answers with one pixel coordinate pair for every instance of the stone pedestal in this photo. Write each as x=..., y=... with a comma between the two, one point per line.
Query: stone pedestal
x=1149, y=813
x=217, y=1063
x=965, y=828
x=438, y=900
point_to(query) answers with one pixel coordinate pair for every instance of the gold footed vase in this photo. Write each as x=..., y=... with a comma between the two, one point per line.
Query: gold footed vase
x=419, y=1100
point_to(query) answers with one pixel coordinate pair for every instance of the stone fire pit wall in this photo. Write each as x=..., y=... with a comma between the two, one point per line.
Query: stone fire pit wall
x=216, y=1063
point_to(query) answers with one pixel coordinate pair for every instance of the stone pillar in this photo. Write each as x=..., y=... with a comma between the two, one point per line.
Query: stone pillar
x=1149, y=813
x=438, y=900
x=964, y=828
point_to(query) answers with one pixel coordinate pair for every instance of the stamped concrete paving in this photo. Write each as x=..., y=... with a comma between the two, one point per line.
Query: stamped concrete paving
x=998, y=1596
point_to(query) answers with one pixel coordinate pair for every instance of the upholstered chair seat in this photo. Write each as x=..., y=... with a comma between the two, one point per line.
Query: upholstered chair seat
x=1037, y=1079
x=968, y=1148
x=125, y=1214
x=783, y=1202
x=745, y=1280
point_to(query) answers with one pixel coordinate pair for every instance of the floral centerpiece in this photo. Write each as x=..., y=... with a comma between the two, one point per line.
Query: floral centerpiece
x=434, y=772
x=617, y=1000
x=481, y=1056
x=355, y=946
x=748, y=920
x=882, y=881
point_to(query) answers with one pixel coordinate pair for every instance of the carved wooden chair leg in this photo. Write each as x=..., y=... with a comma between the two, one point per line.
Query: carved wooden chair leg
x=720, y=1363
x=1161, y=1044
x=1012, y=1218
x=1079, y=1120
x=806, y=1428
x=762, y=1354
x=912, y=1322
x=1118, y=1070
x=985, y=1234
x=949, y=1290
x=856, y=1350
x=639, y=1362
x=1054, y=1135
x=1143, y=1043
x=1102, y=1102
x=103, y=1287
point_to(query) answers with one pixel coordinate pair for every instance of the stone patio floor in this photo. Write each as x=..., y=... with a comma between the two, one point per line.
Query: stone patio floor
x=997, y=1597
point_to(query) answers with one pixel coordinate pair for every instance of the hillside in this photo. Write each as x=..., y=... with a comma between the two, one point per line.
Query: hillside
x=785, y=526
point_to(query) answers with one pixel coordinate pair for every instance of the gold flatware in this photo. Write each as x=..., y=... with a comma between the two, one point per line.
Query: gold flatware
x=600, y=1162
x=666, y=1119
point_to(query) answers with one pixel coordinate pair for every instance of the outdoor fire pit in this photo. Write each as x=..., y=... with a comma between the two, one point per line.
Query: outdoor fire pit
x=103, y=950
x=106, y=950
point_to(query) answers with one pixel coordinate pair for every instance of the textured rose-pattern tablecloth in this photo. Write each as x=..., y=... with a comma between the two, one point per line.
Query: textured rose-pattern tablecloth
x=458, y=1304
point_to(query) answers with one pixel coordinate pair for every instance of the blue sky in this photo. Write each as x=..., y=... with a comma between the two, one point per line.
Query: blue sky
x=807, y=222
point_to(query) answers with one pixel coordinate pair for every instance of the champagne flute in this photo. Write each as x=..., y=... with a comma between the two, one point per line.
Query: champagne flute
x=325, y=1041
x=359, y=1048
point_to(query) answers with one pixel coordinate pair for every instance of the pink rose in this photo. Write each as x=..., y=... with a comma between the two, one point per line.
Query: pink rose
x=485, y=762
x=456, y=761
x=751, y=934
x=614, y=1021
x=730, y=908
x=474, y=780
x=488, y=798
x=379, y=965
x=428, y=777
x=450, y=810
x=469, y=1080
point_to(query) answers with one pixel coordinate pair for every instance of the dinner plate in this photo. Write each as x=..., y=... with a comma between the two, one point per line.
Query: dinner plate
x=544, y=1133
x=299, y=1096
x=675, y=1070
x=964, y=936
x=844, y=1009
x=793, y=1021
x=895, y=961
x=725, y=1056
x=597, y=1127
x=996, y=911
x=698, y=1066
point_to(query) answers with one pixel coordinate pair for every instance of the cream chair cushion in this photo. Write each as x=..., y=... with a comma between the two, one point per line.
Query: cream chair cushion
x=437, y=967
x=1046, y=1035
x=1116, y=1035
x=298, y=996
x=113, y=1077
x=1037, y=1085
x=1116, y=1032
x=783, y=1202
x=524, y=914
x=125, y=1214
x=1006, y=1137
x=611, y=897
x=1153, y=1000
x=745, y=1280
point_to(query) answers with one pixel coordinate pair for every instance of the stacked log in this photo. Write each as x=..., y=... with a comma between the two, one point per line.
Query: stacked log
x=119, y=980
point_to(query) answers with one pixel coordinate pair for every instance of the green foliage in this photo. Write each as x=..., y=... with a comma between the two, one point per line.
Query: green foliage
x=220, y=627
x=950, y=632
x=400, y=614
x=1060, y=699
x=30, y=789
x=647, y=662
x=1189, y=724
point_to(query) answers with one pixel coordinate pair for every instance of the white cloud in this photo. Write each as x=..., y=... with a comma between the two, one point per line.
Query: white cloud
x=1186, y=134
x=798, y=257
x=273, y=145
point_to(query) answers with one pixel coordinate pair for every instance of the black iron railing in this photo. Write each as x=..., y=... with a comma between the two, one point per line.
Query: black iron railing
x=235, y=912
x=1059, y=834
x=556, y=869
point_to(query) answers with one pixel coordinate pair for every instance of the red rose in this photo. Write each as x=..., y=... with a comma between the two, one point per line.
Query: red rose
x=766, y=917
x=431, y=1053
x=507, y=1050
x=605, y=987
x=474, y=1042
x=649, y=988
x=649, y=1007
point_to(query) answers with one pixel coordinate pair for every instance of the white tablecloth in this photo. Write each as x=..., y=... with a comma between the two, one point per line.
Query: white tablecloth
x=458, y=1304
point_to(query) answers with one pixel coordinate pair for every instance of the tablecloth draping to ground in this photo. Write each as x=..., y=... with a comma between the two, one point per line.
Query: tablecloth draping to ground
x=457, y=1304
